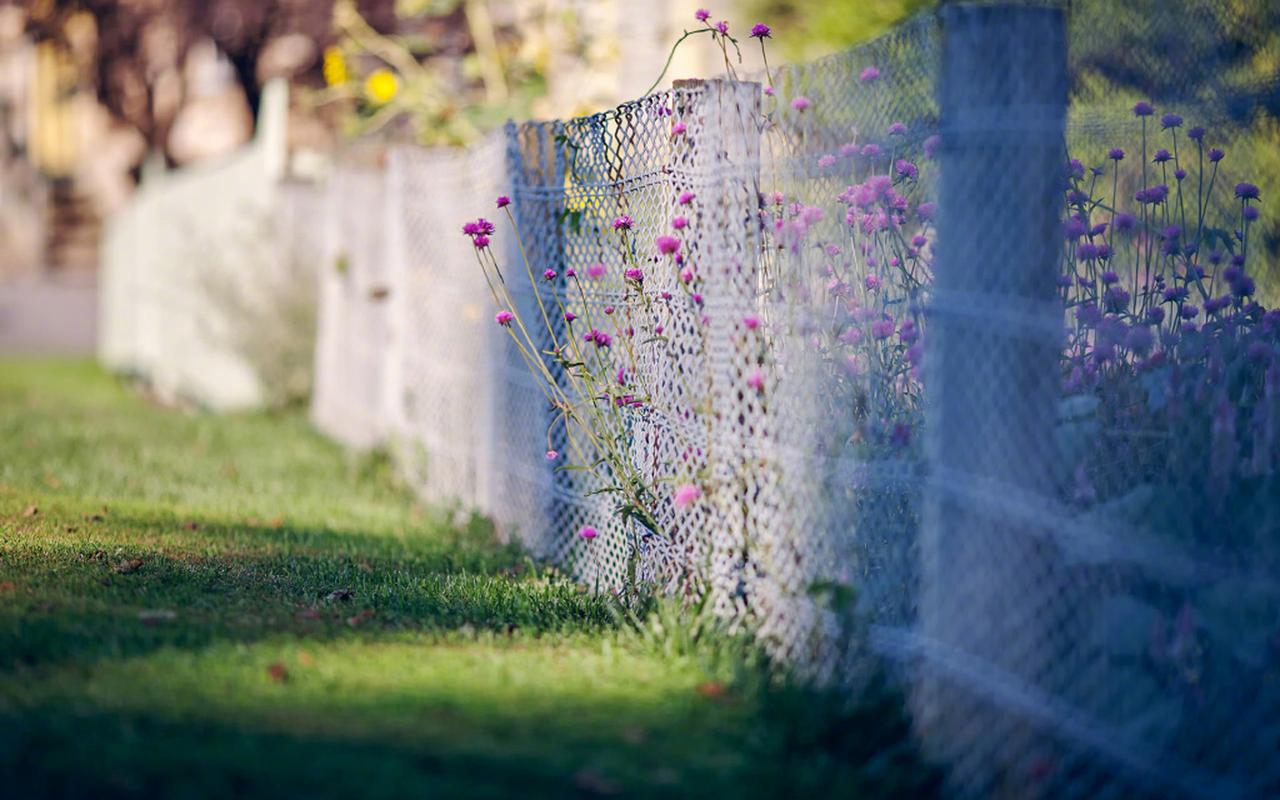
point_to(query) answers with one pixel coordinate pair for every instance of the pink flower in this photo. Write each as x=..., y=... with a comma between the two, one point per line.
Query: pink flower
x=503, y=201
x=623, y=223
x=634, y=274
x=481, y=241
x=800, y=103
x=702, y=15
x=667, y=244
x=869, y=74
x=481, y=227
x=756, y=380
x=768, y=90
x=552, y=455
x=686, y=275
x=549, y=275
x=723, y=27
x=587, y=532
x=882, y=329
x=679, y=223
x=760, y=31
x=751, y=321
x=503, y=318
x=678, y=128
x=596, y=270
x=569, y=316
x=872, y=282
x=686, y=494
x=686, y=198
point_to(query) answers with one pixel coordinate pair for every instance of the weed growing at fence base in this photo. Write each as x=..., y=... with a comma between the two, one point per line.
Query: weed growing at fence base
x=211, y=607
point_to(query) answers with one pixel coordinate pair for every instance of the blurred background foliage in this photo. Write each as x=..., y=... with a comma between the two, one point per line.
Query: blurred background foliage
x=810, y=29
x=181, y=78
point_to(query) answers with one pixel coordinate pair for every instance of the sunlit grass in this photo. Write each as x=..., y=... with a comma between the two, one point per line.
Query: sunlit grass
x=205, y=606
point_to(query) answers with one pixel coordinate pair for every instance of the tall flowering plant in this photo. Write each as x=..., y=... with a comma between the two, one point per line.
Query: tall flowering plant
x=586, y=356
x=596, y=338
x=1166, y=334
x=855, y=273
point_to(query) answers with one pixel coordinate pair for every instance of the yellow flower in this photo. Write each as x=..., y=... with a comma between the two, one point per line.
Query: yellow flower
x=381, y=86
x=335, y=67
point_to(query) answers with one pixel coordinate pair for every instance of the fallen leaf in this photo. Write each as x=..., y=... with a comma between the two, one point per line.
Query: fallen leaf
x=52, y=481
x=712, y=689
x=278, y=672
x=276, y=522
x=7, y=586
x=305, y=658
x=127, y=566
x=338, y=595
x=361, y=618
x=30, y=511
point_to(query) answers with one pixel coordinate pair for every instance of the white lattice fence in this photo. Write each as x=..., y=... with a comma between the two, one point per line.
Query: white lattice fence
x=354, y=370
x=181, y=256
x=452, y=356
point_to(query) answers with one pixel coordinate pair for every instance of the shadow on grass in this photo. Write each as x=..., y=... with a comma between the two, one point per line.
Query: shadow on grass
x=422, y=738
x=144, y=583
x=139, y=655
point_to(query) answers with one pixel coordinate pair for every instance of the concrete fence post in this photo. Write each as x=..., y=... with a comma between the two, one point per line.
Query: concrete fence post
x=994, y=331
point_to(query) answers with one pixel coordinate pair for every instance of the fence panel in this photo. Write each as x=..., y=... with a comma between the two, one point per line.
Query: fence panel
x=354, y=335
x=186, y=243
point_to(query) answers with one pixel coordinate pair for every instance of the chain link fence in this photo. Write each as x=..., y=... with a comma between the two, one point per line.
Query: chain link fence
x=946, y=356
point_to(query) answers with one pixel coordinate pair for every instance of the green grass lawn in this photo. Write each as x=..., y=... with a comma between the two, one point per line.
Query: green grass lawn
x=204, y=606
